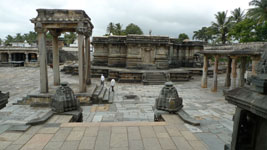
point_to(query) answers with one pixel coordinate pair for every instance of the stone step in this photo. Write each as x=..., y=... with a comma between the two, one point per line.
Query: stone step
x=101, y=95
x=106, y=96
x=154, y=82
x=111, y=96
x=98, y=91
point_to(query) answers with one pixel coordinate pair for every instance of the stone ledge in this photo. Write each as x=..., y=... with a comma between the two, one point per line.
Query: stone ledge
x=113, y=124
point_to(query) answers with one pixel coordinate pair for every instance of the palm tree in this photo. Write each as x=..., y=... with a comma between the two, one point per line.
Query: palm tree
x=110, y=28
x=118, y=29
x=259, y=12
x=222, y=26
x=237, y=15
x=202, y=34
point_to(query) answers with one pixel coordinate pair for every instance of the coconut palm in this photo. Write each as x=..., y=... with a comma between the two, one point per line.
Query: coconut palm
x=110, y=28
x=118, y=29
x=222, y=26
x=259, y=12
x=237, y=15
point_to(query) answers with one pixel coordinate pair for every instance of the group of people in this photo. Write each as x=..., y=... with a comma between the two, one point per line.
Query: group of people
x=112, y=82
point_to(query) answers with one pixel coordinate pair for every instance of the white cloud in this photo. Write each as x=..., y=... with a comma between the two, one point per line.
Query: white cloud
x=163, y=17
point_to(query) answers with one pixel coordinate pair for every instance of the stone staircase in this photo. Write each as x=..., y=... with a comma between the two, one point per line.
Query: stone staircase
x=154, y=78
x=102, y=95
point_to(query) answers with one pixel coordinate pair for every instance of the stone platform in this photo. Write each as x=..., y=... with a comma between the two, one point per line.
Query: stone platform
x=132, y=103
x=57, y=133
x=148, y=77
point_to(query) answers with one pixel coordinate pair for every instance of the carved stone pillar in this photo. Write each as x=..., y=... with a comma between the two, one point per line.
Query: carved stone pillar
x=255, y=61
x=234, y=73
x=43, y=58
x=82, y=84
x=88, y=61
x=204, y=81
x=215, y=74
x=228, y=73
x=9, y=57
x=56, y=72
x=242, y=70
x=26, y=57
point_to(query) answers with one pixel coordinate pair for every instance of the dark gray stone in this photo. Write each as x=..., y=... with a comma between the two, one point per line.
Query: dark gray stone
x=64, y=100
x=169, y=99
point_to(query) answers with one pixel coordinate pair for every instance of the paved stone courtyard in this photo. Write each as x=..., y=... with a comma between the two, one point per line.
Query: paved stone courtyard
x=132, y=102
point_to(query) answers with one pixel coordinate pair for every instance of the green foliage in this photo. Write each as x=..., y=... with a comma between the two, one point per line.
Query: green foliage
x=30, y=37
x=9, y=39
x=117, y=29
x=182, y=37
x=259, y=12
x=237, y=15
x=204, y=34
x=222, y=26
x=133, y=29
x=69, y=38
x=249, y=30
x=19, y=38
x=1, y=41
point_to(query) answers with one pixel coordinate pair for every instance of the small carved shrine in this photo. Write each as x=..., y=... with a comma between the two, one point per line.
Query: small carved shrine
x=64, y=100
x=3, y=99
x=169, y=99
x=250, y=119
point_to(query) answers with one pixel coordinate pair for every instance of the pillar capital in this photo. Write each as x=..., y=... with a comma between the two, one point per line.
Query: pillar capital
x=39, y=28
x=55, y=33
x=234, y=57
x=255, y=58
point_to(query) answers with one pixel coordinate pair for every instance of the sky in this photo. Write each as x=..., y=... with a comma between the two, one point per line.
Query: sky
x=163, y=17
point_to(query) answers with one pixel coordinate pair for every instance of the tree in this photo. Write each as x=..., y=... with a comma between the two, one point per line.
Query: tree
x=118, y=29
x=19, y=38
x=69, y=38
x=237, y=15
x=133, y=29
x=182, y=37
x=204, y=34
x=30, y=37
x=249, y=30
x=9, y=39
x=259, y=12
x=1, y=41
x=110, y=28
x=222, y=26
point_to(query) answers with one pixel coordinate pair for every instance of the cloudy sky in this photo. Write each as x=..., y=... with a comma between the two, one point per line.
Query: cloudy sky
x=163, y=17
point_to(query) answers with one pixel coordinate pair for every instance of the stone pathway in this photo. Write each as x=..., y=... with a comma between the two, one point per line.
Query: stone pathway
x=132, y=102
x=52, y=135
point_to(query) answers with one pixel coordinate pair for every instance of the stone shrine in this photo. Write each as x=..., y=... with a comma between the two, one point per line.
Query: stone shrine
x=250, y=119
x=145, y=52
x=3, y=99
x=64, y=100
x=169, y=99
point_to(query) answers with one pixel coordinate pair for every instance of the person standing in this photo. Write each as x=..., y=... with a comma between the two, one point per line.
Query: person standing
x=102, y=79
x=112, y=83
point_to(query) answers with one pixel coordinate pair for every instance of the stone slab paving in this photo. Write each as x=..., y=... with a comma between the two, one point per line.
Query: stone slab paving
x=103, y=135
x=132, y=102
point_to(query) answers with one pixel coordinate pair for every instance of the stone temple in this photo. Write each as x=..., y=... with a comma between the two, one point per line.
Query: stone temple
x=145, y=52
x=86, y=115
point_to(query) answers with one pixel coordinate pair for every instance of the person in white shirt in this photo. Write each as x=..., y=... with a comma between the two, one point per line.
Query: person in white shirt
x=112, y=83
x=102, y=79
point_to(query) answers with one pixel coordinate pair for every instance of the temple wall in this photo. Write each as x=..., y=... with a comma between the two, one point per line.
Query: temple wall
x=143, y=52
x=117, y=55
x=101, y=54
